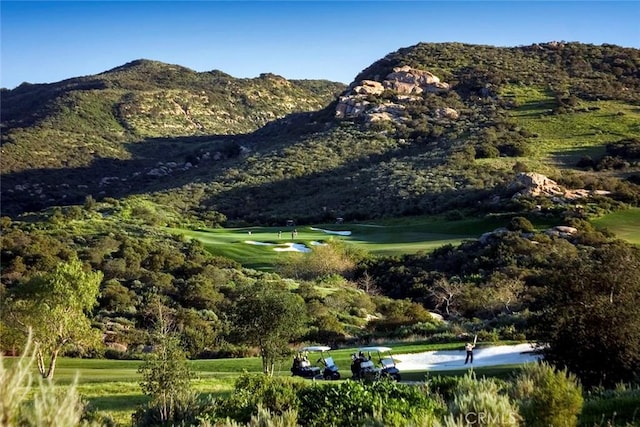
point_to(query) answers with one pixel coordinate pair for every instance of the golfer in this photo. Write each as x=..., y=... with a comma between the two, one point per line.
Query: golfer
x=469, y=347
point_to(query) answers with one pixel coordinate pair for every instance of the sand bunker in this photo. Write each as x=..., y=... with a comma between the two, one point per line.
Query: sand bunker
x=341, y=233
x=293, y=247
x=454, y=359
x=282, y=247
x=253, y=242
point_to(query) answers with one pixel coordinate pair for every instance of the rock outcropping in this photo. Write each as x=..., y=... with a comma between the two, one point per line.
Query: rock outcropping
x=531, y=184
x=408, y=80
x=407, y=83
x=535, y=184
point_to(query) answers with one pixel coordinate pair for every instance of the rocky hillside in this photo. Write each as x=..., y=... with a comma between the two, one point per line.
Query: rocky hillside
x=427, y=129
x=74, y=122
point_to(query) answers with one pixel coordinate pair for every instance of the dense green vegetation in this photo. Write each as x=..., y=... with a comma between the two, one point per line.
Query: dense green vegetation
x=79, y=120
x=539, y=108
x=539, y=391
x=142, y=208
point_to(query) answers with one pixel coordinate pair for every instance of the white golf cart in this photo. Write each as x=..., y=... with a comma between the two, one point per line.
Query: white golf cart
x=373, y=363
x=302, y=367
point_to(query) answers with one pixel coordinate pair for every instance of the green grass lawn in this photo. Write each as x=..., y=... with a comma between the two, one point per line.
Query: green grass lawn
x=625, y=224
x=390, y=237
x=564, y=138
x=384, y=237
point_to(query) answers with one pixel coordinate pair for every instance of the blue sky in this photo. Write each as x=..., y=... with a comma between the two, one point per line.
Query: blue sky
x=48, y=41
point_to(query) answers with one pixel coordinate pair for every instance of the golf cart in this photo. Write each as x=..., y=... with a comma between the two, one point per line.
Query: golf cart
x=373, y=363
x=303, y=368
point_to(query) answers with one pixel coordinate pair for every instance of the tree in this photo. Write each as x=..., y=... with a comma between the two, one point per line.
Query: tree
x=445, y=291
x=368, y=284
x=55, y=306
x=268, y=315
x=334, y=257
x=591, y=321
x=165, y=373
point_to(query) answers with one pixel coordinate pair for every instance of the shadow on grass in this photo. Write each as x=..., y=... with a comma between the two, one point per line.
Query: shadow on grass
x=120, y=402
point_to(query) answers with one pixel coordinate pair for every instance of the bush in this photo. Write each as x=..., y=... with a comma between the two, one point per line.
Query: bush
x=264, y=417
x=442, y=337
x=585, y=162
x=445, y=386
x=356, y=403
x=275, y=394
x=481, y=402
x=185, y=410
x=454, y=215
x=548, y=396
x=487, y=151
x=22, y=404
x=606, y=406
x=519, y=223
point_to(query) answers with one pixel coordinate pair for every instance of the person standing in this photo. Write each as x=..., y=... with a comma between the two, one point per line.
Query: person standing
x=469, y=348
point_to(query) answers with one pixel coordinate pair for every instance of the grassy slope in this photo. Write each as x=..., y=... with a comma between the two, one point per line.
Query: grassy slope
x=385, y=237
x=563, y=139
x=625, y=224
x=391, y=237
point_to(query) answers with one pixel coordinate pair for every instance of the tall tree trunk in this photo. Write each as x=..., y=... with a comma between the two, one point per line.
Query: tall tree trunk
x=52, y=364
x=40, y=359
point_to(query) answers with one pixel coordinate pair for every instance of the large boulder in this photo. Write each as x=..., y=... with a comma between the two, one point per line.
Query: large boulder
x=407, y=83
x=411, y=80
x=368, y=87
x=535, y=184
x=350, y=106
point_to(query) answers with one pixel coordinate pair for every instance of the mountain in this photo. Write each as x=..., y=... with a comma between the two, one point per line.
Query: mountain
x=75, y=121
x=428, y=129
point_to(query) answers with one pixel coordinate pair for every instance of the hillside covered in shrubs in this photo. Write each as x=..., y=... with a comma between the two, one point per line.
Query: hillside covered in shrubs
x=102, y=177
x=427, y=129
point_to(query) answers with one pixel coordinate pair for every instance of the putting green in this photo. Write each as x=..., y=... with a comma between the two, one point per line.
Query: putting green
x=263, y=247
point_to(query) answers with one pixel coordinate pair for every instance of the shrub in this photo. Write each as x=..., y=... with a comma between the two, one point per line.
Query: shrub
x=481, y=402
x=519, y=223
x=262, y=418
x=185, y=409
x=445, y=386
x=487, y=151
x=585, y=162
x=20, y=404
x=454, y=215
x=606, y=406
x=356, y=403
x=275, y=394
x=548, y=396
